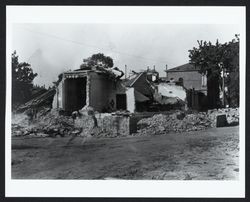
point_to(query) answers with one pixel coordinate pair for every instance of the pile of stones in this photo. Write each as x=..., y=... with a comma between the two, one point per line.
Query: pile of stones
x=50, y=124
x=176, y=122
x=232, y=115
x=183, y=121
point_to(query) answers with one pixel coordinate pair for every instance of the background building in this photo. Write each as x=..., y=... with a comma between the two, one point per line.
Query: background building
x=188, y=75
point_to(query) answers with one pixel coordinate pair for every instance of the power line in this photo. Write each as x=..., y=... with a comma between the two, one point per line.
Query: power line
x=90, y=45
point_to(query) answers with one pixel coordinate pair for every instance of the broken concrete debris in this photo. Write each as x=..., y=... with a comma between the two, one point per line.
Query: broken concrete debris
x=180, y=121
x=232, y=116
x=176, y=122
x=50, y=124
x=87, y=122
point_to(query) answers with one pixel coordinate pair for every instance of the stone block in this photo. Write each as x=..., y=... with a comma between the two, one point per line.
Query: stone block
x=221, y=120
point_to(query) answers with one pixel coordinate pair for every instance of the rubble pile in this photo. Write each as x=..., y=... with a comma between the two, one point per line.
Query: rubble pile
x=19, y=124
x=232, y=115
x=55, y=124
x=176, y=122
x=52, y=123
x=47, y=123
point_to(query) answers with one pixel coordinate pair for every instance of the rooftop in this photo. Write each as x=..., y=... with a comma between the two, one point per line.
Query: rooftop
x=183, y=68
x=130, y=82
x=83, y=72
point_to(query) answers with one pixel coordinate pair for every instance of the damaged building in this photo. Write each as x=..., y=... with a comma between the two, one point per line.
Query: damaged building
x=114, y=101
x=143, y=91
x=104, y=90
x=98, y=88
x=151, y=94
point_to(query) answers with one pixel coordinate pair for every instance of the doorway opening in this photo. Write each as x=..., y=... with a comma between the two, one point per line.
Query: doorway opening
x=121, y=101
x=74, y=93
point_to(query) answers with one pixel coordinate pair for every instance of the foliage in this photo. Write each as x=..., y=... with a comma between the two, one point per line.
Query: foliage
x=97, y=59
x=214, y=59
x=232, y=80
x=22, y=78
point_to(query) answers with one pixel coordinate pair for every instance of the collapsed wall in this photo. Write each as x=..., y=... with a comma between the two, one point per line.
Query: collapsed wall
x=108, y=125
x=231, y=114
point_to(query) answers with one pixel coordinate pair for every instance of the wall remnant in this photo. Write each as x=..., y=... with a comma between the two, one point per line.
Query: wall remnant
x=232, y=115
x=97, y=89
x=108, y=125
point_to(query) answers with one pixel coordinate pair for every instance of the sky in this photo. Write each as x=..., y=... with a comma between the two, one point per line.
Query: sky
x=54, y=48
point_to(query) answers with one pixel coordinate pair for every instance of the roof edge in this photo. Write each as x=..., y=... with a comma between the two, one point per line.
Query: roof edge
x=138, y=76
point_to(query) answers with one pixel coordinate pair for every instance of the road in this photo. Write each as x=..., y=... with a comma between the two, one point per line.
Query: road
x=201, y=155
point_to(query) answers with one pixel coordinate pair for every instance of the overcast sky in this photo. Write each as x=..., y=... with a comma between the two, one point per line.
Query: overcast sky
x=54, y=48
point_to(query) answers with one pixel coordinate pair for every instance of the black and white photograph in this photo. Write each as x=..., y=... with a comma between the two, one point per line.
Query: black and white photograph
x=108, y=101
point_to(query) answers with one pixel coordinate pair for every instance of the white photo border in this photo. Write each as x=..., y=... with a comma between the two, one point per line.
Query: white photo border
x=125, y=14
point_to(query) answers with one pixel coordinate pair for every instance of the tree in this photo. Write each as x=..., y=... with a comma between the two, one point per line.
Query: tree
x=215, y=59
x=232, y=79
x=97, y=59
x=22, y=80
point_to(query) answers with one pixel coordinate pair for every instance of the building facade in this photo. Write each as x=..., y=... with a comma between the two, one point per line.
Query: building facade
x=188, y=76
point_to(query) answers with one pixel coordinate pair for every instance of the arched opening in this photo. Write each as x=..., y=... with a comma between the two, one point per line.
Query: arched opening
x=180, y=81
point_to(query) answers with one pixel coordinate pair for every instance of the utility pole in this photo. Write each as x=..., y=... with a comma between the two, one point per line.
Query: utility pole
x=166, y=71
x=125, y=72
x=223, y=88
x=223, y=84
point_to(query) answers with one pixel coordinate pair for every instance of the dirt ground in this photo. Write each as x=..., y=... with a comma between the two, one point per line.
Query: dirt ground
x=201, y=155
